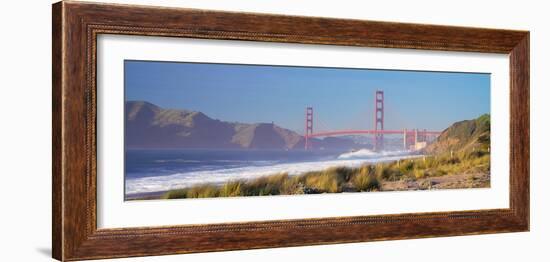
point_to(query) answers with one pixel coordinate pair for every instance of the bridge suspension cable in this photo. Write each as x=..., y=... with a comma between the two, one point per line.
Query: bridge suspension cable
x=411, y=138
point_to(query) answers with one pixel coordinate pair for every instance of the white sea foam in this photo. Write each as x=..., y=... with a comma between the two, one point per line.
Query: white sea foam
x=213, y=161
x=182, y=180
x=368, y=154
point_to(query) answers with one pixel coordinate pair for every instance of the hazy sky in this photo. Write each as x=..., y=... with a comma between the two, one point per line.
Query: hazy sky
x=341, y=98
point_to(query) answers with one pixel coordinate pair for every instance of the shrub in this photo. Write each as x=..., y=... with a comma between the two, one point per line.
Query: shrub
x=292, y=187
x=389, y=172
x=431, y=162
x=476, y=154
x=324, y=183
x=193, y=192
x=175, y=194
x=406, y=166
x=451, y=160
x=418, y=174
x=235, y=188
x=267, y=185
x=202, y=191
x=328, y=181
x=366, y=180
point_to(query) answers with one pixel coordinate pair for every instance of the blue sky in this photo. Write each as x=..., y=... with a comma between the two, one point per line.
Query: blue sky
x=342, y=98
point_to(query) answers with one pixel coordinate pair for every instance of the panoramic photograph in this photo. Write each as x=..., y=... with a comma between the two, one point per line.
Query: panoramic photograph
x=209, y=130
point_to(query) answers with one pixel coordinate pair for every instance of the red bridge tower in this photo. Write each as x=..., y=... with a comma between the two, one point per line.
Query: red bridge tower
x=412, y=139
x=379, y=121
x=309, y=126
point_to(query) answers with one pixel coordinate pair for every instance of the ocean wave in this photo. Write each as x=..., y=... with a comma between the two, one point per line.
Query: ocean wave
x=187, y=161
x=176, y=161
x=182, y=180
x=367, y=154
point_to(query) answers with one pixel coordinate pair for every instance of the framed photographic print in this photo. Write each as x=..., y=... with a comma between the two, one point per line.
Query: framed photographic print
x=182, y=130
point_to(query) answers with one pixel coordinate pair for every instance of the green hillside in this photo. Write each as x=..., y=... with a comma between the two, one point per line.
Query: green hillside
x=467, y=135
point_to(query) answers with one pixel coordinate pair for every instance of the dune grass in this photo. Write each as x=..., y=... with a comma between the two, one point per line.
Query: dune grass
x=344, y=179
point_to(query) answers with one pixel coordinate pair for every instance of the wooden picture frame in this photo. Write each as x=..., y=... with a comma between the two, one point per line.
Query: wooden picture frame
x=76, y=26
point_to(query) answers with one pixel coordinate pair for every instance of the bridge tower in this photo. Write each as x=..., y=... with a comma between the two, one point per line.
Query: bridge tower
x=309, y=127
x=378, y=120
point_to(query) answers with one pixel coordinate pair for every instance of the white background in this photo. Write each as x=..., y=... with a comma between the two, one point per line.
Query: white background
x=25, y=134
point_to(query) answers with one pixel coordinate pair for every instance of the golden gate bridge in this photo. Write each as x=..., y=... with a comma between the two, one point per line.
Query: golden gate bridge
x=412, y=138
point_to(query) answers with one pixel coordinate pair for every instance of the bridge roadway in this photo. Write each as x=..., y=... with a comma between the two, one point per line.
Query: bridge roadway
x=372, y=132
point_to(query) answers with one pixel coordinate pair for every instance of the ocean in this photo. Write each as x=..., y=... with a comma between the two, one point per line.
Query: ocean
x=149, y=170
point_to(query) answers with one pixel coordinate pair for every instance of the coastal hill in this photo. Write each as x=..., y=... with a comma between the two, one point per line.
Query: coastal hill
x=150, y=126
x=465, y=135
